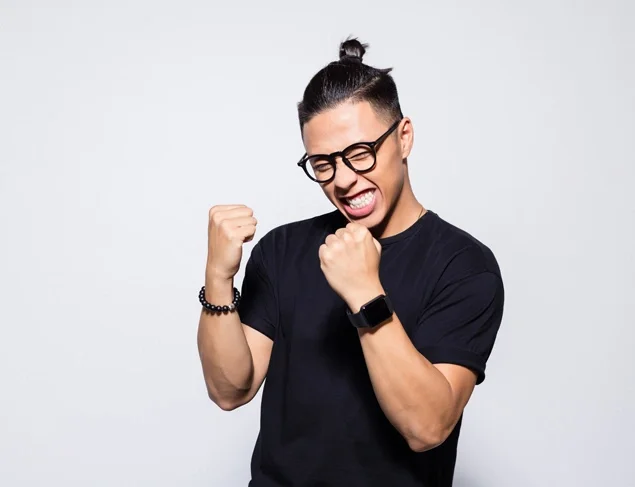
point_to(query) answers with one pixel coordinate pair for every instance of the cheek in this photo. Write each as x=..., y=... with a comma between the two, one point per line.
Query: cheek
x=329, y=191
x=390, y=179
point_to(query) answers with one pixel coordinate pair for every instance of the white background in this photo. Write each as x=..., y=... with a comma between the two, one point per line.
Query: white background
x=122, y=123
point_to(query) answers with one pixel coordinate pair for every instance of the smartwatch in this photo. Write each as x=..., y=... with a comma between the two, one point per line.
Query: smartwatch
x=373, y=313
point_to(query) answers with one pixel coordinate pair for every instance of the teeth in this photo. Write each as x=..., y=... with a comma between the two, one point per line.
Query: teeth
x=361, y=201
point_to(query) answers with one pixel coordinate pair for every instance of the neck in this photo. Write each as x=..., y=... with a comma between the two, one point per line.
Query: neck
x=406, y=211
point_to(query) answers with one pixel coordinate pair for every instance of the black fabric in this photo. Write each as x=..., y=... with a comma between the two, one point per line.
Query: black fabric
x=321, y=424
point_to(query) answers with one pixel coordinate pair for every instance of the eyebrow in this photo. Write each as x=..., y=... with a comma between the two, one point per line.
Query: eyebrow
x=362, y=141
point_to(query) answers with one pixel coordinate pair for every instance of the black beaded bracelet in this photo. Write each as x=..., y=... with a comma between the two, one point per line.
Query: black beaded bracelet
x=219, y=309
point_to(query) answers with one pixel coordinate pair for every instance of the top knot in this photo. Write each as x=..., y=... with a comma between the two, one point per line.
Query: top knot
x=352, y=49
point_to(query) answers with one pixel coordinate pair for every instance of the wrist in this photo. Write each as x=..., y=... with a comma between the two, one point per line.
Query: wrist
x=216, y=272
x=362, y=296
x=219, y=289
x=214, y=275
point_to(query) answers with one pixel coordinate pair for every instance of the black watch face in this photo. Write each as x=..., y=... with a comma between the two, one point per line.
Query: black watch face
x=377, y=311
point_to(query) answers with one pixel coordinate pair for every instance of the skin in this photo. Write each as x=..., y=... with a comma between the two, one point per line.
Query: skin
x=422, y=400
x=234, y=356
x=348, y=123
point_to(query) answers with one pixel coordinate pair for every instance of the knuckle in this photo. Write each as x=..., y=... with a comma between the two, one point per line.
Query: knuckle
x=223, y=225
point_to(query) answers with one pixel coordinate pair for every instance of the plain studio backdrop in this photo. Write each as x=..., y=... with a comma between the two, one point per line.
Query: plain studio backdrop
x=122, y=123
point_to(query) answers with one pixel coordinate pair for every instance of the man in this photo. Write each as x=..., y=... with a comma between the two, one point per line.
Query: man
x=372, y=323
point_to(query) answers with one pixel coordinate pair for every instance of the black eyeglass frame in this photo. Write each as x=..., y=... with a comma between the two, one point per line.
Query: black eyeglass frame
x=331, y=158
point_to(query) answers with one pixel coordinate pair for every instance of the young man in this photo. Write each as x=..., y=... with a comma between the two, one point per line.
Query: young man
x=372, y=323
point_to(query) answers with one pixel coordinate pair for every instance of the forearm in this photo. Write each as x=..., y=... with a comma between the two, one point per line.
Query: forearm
x=413, y=393
x=223, y=349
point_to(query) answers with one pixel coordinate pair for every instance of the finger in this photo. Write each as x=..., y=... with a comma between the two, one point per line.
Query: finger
x=241, y=221
x=355, y=227
x=345, y=235
x=358, y=231
x=331, y=239
x=238, y=212
x=218, y=208
x=322, y=252
x=377, y=245
x=245, y=233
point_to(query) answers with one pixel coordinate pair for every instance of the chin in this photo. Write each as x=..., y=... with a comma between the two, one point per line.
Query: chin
x=371, y=221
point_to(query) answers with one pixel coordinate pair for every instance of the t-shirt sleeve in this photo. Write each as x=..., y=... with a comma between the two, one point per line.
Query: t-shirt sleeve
x=258, y=305
x=460, y=324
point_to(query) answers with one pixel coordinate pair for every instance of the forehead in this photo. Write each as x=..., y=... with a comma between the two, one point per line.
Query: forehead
x=339, y=127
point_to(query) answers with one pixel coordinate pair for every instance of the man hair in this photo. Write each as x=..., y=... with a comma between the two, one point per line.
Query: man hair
x=349, y=79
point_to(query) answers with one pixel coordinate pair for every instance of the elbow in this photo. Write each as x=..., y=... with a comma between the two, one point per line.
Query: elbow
x=226, y=403
x=420, y=445
x=427, y=439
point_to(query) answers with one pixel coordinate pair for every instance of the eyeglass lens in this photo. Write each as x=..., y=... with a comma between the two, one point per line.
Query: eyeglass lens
x=361, y=157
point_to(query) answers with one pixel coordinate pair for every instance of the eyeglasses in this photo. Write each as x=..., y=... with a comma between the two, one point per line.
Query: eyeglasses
x=360, y=157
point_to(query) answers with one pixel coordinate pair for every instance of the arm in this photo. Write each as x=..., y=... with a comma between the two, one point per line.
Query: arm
x=422, y=400
x=423, y=380
x=235, y=357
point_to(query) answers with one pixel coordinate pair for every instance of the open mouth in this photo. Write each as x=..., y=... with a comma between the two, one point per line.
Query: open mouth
x=360, y=205
x=362, y=200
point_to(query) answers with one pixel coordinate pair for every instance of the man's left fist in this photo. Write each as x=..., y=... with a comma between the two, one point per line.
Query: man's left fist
x=349, y=259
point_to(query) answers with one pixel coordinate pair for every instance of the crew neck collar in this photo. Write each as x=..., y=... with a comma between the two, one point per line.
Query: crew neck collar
x=408, y=232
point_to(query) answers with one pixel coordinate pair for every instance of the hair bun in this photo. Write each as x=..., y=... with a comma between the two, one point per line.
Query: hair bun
x=352, y=49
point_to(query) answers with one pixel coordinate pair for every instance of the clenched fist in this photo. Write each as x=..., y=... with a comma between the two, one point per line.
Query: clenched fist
x=349, y=259
x=230, y=226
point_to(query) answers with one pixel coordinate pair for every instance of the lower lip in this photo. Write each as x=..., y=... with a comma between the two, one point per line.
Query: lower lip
x=361, y=212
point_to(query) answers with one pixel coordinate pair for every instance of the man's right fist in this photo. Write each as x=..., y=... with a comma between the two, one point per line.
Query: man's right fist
x=229, y=227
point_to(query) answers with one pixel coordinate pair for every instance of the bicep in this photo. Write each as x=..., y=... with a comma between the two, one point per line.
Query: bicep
x=462, y=381
x=260, y=346
x=259, y=314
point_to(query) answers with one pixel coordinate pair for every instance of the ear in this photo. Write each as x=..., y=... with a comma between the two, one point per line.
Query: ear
x=406, y=137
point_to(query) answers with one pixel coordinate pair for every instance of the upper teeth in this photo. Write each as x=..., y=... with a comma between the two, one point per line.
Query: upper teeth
x=361, y=200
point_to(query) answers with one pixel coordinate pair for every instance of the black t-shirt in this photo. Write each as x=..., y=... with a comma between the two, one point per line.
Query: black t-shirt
x=321, y=424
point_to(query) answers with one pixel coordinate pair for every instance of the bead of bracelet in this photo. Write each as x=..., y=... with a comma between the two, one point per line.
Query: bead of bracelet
x=219, y=308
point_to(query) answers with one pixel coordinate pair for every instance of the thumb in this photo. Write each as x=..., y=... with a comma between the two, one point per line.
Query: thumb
x=377, y=246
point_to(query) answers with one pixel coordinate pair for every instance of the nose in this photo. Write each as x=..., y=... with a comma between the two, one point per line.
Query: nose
x=345, y=177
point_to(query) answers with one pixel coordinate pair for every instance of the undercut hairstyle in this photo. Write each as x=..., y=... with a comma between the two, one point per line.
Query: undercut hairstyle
x=349, y=79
